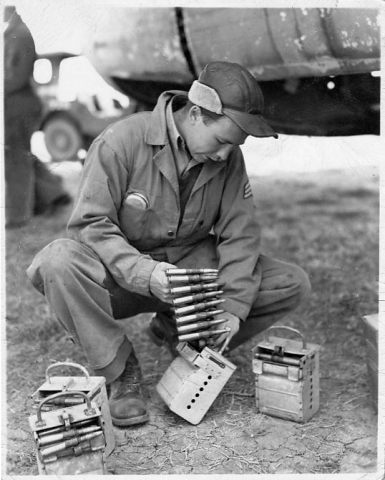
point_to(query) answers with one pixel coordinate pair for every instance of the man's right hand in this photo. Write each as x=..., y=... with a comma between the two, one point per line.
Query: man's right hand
x=159, y=285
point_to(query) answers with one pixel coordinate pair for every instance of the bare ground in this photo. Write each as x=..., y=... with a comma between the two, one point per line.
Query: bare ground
x=326, y=223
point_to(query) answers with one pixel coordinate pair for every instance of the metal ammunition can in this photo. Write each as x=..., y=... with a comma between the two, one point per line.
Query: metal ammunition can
x=75, y=454
x=193, y=381
x=93, y=386
x=286, y=376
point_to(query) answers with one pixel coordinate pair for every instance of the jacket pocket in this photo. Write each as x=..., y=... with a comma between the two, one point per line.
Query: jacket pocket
x=137, y=214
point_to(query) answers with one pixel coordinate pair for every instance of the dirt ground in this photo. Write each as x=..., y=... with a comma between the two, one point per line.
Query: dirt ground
x=328, y=224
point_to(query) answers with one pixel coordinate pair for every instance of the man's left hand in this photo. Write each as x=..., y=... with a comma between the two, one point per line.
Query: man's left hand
x=232, y=323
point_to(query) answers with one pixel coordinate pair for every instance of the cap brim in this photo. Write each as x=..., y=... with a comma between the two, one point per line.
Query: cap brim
x=254, y=125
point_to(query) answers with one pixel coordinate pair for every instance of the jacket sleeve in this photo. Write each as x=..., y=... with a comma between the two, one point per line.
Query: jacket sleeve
x=238, y=240
x=95, y=223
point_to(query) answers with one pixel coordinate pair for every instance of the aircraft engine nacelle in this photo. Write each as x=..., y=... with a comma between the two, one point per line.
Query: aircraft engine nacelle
x=315, y=64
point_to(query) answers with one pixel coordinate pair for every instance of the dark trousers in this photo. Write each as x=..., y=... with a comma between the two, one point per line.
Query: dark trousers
x=89, y=303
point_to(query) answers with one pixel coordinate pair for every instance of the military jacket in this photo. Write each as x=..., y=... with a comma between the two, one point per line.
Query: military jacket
x=133, y=156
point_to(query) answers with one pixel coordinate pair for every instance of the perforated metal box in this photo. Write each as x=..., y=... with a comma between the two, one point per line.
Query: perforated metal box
x=193, y=381
x=93, y=386
x=286, y=377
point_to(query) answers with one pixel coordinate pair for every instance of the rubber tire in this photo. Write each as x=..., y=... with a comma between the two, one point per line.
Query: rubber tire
x=63, y=139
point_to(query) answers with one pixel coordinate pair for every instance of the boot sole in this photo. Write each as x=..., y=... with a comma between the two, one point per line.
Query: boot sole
x=130, y=421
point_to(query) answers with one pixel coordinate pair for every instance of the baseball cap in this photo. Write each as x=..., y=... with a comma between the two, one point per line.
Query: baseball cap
x=229, y=89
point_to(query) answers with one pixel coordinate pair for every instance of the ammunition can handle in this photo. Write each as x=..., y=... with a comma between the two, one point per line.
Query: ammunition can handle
x=68, y=364
x=61, y=394
x=282, y=327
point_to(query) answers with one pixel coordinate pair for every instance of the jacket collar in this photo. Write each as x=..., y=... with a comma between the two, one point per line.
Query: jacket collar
x=156, y=133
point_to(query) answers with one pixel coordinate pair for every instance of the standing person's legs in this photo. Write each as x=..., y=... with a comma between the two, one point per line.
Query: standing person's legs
x=19, y=186
x=88, y=302
x=21, y=109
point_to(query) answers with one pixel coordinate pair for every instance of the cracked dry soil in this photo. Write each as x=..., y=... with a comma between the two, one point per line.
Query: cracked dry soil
x=235, y=438
x=301, y=221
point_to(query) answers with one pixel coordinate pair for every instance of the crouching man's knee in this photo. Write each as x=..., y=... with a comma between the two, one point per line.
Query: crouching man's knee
x=51, y=262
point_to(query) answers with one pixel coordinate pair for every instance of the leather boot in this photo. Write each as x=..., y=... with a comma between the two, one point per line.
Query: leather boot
x=126, y=401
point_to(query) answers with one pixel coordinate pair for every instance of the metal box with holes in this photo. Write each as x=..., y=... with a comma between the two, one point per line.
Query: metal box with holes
x=93, y=386
x=70, y=440
x=193, y=381
x=286, y=376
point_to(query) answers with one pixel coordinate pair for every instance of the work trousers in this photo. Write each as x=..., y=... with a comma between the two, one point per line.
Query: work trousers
x=30, y=186
x=22, y=111
x=90, y=304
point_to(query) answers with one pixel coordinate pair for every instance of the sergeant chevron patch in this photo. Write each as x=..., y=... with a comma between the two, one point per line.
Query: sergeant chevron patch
x=247, y=190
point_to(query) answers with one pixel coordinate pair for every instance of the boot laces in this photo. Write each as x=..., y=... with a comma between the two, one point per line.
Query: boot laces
x=130, y=379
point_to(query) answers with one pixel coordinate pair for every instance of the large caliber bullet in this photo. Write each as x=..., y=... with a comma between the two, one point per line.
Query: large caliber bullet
x=66, y=401
x=58, y=437
x=204, y=334
x=190, y=271
x=197, y=306
x=78, y=450
x=199, y=287
x=197, y=316
x=62, y=428
x=200, y=325
x=278, y=359
x=198, y=297
x=72, y=442
x=207, y=277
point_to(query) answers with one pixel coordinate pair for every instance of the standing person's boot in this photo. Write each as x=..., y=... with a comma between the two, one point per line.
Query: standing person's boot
x=50, y=193
x=126, y=402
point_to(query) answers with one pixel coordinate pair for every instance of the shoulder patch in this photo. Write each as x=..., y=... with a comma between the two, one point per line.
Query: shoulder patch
x=247, y=190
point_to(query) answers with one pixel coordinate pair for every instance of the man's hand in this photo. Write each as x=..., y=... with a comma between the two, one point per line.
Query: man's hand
x=159, y=285
x=232, y=323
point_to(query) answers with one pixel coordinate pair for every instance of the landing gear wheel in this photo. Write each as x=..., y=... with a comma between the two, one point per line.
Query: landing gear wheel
x=62, y=139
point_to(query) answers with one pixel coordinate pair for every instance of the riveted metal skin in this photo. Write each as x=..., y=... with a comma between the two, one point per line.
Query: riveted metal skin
x=273, y=43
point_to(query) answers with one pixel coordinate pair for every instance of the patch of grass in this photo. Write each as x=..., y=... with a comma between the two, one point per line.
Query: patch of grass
x=327, y=224
x=317, y=200
x=348, y=214
x=357, y=193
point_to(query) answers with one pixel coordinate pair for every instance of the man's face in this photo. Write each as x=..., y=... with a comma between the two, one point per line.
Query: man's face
x=212, y=141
